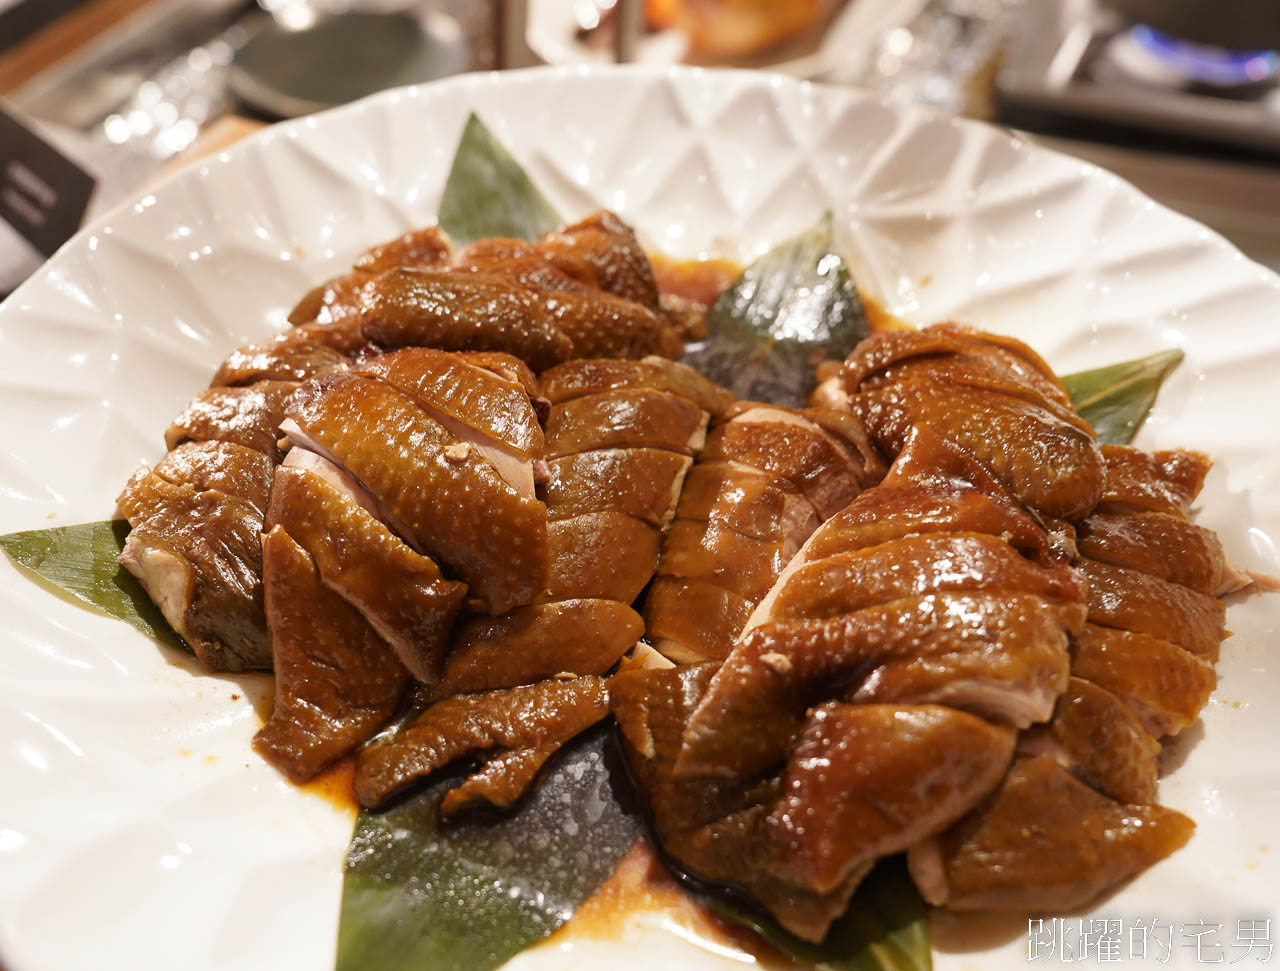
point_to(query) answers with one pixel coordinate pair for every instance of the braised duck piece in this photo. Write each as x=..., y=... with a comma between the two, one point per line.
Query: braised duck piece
x=764, y=481
x=335, y=302
x=402, y=594
x=866, y=781
x=993, y=397
x=1129, y=599
x=196, y=518
x=1165, y=685
x=443, y=495
x=337, y=681
x=1166, y=482
x=535, y=643
x=419, y=248
x=1045, y=842
x=602, y=251
x=627, y=418
x=295, y=355
x=1160, y=544
x=570, y=381
x=609, y=555
x=1100, y=739
x=243, y=416
x=643, y=483
x=514, y=731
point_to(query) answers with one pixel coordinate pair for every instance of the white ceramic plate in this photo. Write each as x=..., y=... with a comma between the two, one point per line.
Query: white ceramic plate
x=137, y=829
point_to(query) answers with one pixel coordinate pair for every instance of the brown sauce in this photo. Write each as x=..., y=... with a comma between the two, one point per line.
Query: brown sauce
x=335, y=785
x=698, y=280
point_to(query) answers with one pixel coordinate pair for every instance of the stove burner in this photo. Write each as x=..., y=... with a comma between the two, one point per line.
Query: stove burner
x=1160, y=59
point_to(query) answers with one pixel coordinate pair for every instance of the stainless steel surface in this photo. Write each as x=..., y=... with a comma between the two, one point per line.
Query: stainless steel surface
x=1055, y=65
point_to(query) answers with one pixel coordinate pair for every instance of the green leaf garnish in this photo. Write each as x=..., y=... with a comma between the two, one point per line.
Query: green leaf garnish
x=885, y=928
x=489, y=194
x=791, y=309
x=1115, y=400
x=78, y=563
x=469, y=895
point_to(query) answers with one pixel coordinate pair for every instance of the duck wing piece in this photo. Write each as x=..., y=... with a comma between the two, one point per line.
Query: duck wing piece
x=194, y=547
x=580, y=378
x=1100, y=739
x=522, y=727
x=402, y=594
x=993, y=397
x=1165, y=685
x=866, y=781
x=626, y=418
x=247, y=416
x=458, y=311
x=601, y=325
x=1044, y=842
x=441, y=495
x=1132, y=600
x=337, y=681
x=537, y=643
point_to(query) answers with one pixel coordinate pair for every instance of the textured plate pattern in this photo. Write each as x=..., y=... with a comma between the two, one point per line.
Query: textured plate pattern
x=136, y=828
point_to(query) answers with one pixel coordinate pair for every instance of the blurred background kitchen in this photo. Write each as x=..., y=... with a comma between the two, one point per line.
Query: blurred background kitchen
x=1181, y=97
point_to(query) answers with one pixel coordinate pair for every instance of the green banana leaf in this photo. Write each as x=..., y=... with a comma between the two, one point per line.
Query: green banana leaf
x=489, y=194
x=791, y=309
x=1116, y=399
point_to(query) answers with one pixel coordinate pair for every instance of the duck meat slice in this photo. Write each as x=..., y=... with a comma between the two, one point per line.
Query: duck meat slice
x=337, y=301
x=1001, y=656
x=439, y=494
x=737, y=497
x=1165, y=482
x=292, y=356
x=233, y=470
x=1165, y=685
x=509, y=368
x=865, y=781
x=710, y=552
x=609, y=555
x=1100, y=739
x=626, y=418
x=248, y=416
x=337, y=681
x=537, y=643
x=602, y=251
x=578, y=378
x=601, y=325
x=473, y=404
x=419, y=249
x=640, y=482
x=196, y=552
x=401, y=593
x=1132, y=600
x=1048, y=463
x=915, y=566
x=456, y=311
x=846, y=431
x=711, y=828
x=1045, y=842
x=1163, y=545
x=514, y=731
x=693, y=620
x=787, y=444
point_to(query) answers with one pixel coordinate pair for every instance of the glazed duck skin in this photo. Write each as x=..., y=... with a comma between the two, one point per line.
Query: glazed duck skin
x=401, y=593
x=747, y=501
x=609, y=555
x=626, y=418
x=580, y=378
x=1166, y=482
x=520, y=727
x=1163, y=545
x=439, y=494
x=1045, y=842
x=693, y=620
x=454, y=311
x=337, y=682
x=643, y=483
x=243, y=416
x=602, y=251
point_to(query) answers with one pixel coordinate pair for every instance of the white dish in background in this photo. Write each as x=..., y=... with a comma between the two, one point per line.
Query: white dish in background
x=138, y=830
